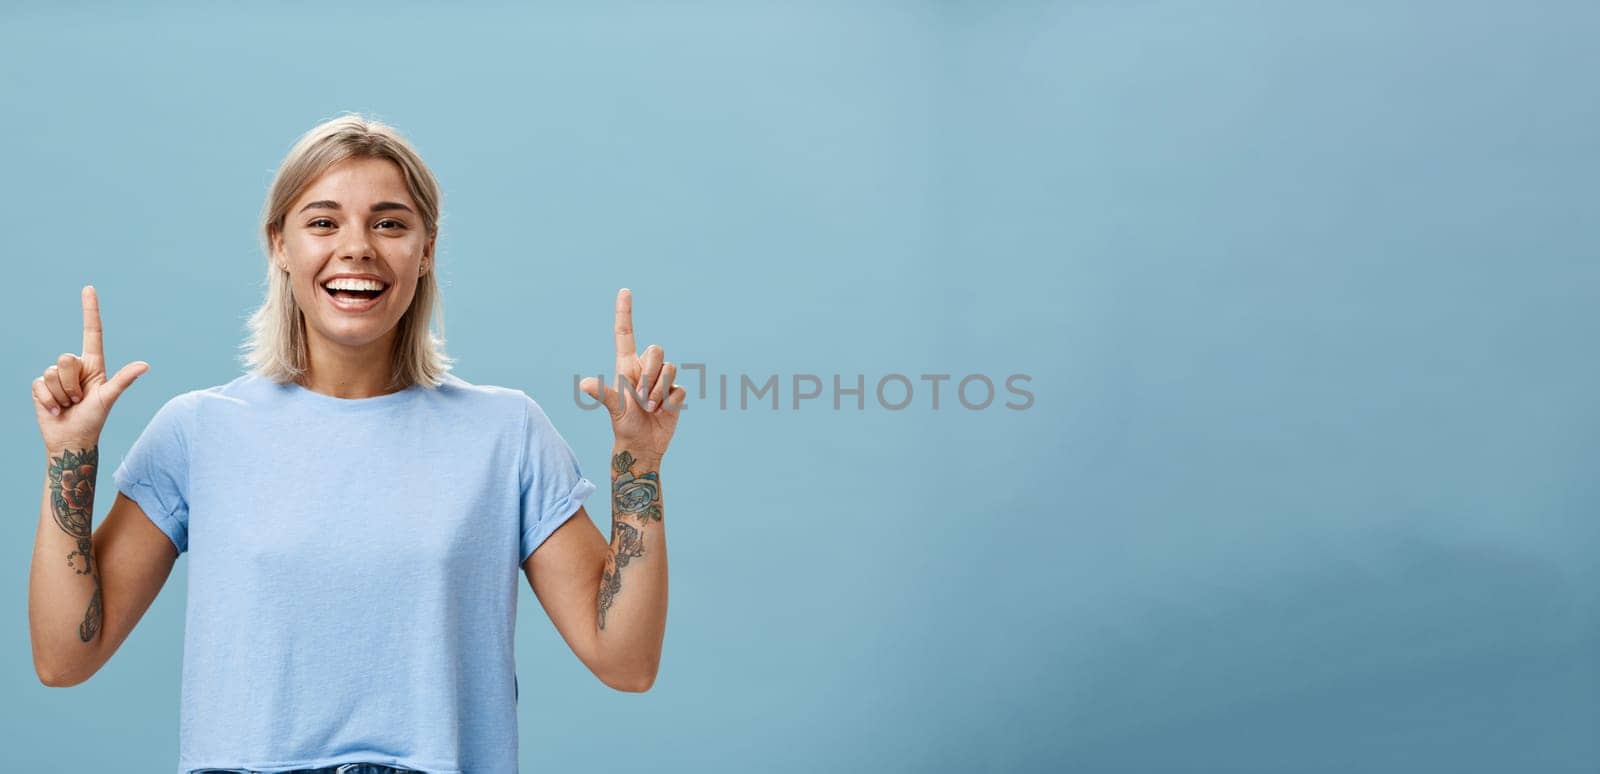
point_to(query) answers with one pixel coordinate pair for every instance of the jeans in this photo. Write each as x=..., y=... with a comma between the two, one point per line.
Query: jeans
x=345, y=768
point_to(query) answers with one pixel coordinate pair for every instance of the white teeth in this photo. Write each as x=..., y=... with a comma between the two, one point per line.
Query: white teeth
x=351, y=283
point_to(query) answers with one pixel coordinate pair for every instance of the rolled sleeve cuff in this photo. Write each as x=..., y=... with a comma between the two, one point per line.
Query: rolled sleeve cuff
x=554, y=517
x=165, y=519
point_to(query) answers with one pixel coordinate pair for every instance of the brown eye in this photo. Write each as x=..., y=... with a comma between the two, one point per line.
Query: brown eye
x=396, y=223
x=320, y=223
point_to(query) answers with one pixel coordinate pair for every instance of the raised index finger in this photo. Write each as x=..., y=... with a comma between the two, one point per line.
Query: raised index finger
x=625, y=344
x=91, y=323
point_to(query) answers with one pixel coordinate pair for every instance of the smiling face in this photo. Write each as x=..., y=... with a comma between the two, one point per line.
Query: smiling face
x=357, y=229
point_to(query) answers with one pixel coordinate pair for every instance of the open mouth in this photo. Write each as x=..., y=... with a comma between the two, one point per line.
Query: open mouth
x=357, y=293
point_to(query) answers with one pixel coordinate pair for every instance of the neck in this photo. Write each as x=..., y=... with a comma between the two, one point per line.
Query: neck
x=349, y=372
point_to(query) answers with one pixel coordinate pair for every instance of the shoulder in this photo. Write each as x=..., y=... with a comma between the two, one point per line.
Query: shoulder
x=180, y=409
x=185, y=409
x=241, y=389
x=491, y=398
x=509, y=410
x=512, y=406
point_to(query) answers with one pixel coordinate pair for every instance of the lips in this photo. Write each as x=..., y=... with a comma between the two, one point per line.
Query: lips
x=355, y=300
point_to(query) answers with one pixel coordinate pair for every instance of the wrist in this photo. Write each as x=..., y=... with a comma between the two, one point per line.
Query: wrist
x=641, y=456
x=56, y=448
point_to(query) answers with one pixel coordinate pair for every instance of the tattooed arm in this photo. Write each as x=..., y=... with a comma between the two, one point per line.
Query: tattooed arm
x=68, y=585
x=637, y=561
x=609, y=601
x=86, y=589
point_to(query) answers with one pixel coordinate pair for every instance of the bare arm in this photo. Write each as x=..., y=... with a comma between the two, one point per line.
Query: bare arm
x=609, y=602
x=87, y=589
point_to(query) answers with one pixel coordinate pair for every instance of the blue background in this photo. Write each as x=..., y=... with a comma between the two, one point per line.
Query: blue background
x=1306, y=291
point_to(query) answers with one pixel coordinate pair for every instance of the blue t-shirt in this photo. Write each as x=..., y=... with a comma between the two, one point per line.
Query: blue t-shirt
x=353, y=568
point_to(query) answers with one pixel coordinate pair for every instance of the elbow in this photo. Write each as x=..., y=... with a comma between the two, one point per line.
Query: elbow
x=57, y=678
x=65, y=673
x=634, y=678
x=630, y=670
x=636, y=683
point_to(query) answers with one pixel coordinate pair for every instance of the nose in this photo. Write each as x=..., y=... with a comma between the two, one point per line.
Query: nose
x=356, y=246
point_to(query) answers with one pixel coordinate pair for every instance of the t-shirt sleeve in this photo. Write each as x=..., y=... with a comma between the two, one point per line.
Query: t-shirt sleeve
x=155, y=471
x=553, y=485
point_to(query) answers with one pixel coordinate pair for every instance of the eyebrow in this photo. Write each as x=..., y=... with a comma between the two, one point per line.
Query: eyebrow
x=329, y=204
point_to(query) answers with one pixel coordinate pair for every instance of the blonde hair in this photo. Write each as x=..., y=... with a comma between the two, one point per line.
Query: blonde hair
x=276, y=347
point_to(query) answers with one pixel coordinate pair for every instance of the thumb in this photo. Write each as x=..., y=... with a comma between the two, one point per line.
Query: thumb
x=597, y=389
x=124, y=379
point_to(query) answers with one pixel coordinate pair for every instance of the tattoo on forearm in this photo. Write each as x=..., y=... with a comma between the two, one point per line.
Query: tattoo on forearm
x=72, y=477
x=636, y=496
x=91, y=617
x=628, y=544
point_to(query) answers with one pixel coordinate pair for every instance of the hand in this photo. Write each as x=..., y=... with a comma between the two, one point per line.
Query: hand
x=73, y=397
x=643, y=429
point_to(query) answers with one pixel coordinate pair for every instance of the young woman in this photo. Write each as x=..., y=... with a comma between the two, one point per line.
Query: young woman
x=355, y=514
